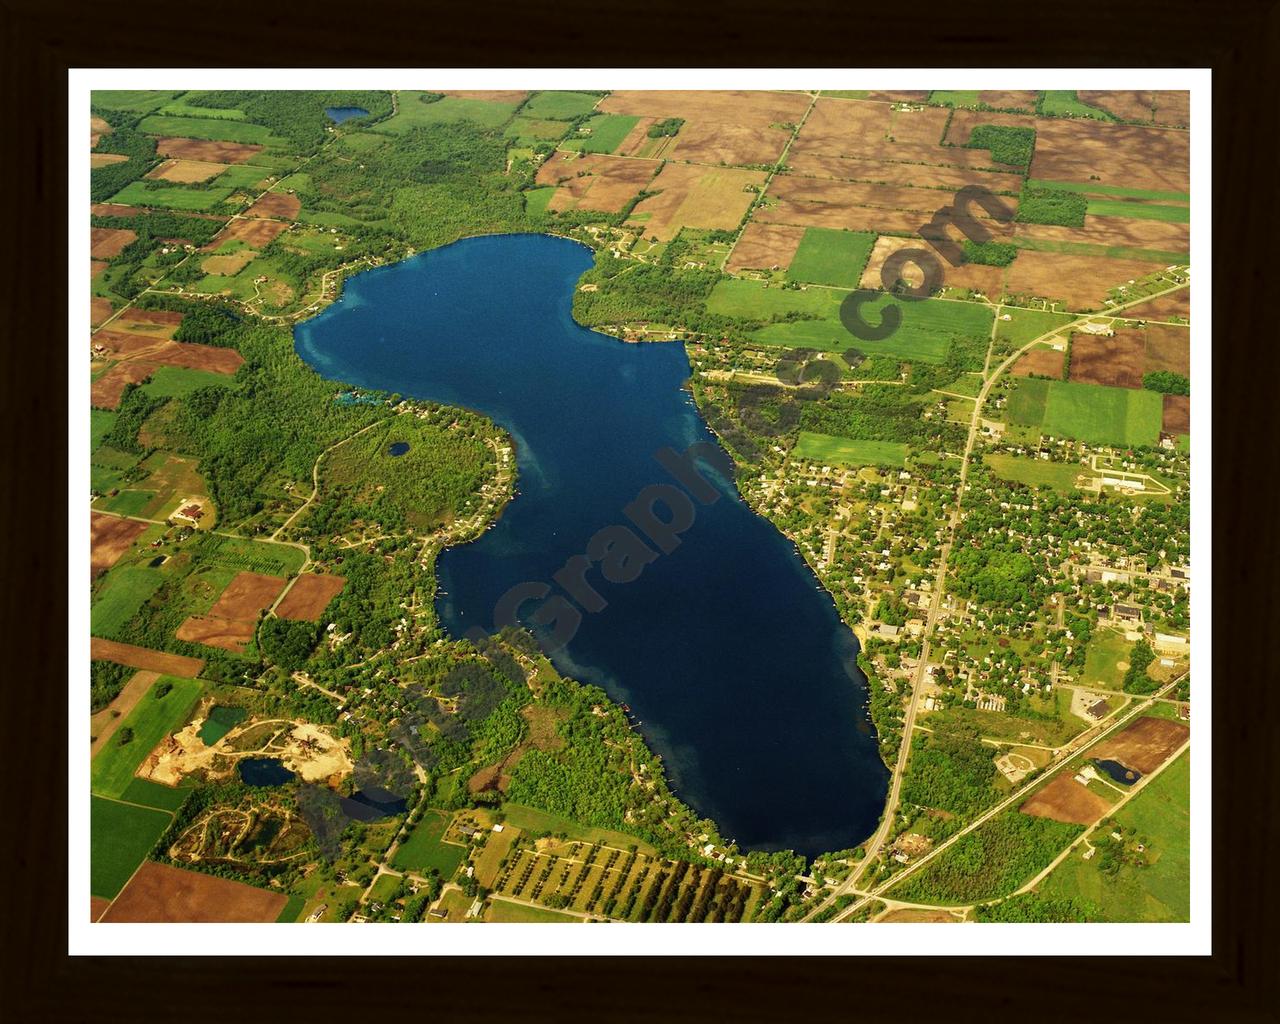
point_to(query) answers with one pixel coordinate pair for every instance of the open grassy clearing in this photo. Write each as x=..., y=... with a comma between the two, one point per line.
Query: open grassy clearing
x=1097, y=188
x=423, y=850
x=603, y=133
x=846, y=452
x=152, y=719
x=1026, y=325
x=518, y=913
x=126, y=588
x=559, y=106
x=178, y=382
x=136, y=101
x=1065, y=103
x=413, y=112
x=530, y=819
x=828, y=256
x=1102, y=415
x=173, y=197
x=1061, y=476
x=211, y=128
x=1107, y=651
x=1143, y=211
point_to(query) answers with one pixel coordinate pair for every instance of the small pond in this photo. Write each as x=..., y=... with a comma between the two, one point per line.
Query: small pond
x=399, y=448
x=340, y=114
x=373, y=804
x=1119, y=773
x=264, y=771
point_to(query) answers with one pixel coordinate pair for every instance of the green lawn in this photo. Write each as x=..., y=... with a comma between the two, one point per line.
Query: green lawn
x=292, y=908
x=1026, y=403
x=847, y=452
x=151, y=720
x=1102, y=415
x=559, y=106
x=1061, y=476
x=531, y=819
x=607, y=133
x=1096, y=188
x=1065, y=103
x=100, y=423
x=1025, y=325
x=217, y=129
x=120, y=837
x=178, y=382
x=413, y=113
x=173, y=197
x=1106, y=649
x=518, y=913
x=925, y=331
x=423, y=850
x=1161, y=891
x=125, y=590
x=1143, y=211
x=127, y=502
x=828, y=256
x=153, y=794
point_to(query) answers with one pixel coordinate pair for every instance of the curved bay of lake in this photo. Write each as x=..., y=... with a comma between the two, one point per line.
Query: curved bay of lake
x=732, y=658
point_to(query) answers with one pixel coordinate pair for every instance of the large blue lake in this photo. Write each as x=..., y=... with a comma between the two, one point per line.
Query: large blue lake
x=730, y=655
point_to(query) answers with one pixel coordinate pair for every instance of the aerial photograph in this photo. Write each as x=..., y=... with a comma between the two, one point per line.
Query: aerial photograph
x=618, y=506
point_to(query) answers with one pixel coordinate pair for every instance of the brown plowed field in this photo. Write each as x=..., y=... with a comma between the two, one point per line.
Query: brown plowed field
x=187, y=172
x=1129, y=156
x=162, y=893
x=99, y=311
x=203, y=149
x=107, y=242
x=1168, y=348
x=1082, y=282
x=98, y=127
x=107, y=390
x=763, y=246
x=214, y=631
x=1043, y=362
x=698, y=197
x=256, y=234
x=97, y=907
x=109, y=538
x=149, y=320
x=1133, y=232
x=247, y=595
x=848, y=193
x=914, y=915
x=1176, y=417
x=1145, y=745
x=1160, y=106
x=123, y=344
x=595, y=181
x=974, y=276
x=103, y=724
x=1164, y=306
x=707, y=143
x=1018, y=99
x=96, y=267
x=277, y=206
x=145, y=658
x=889, y=172
x=1064, y=799
x=310, y=596
x=1115, y=361
x=830, y=215
x=229, y=264
x=963, y=123
x=114, y=210
x=898, y=95
x=97, y=160
x=490, y=95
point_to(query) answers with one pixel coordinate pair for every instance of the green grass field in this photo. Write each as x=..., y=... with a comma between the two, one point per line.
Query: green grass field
x=1102, y=415
x=1058, y=725
x=413, y=113
x=292, y=908
x=1065, y=103
x=125, y=590
x=954, y=98
x=174, y=197
x=827, y=256
x=423, y=850
x=1096, y=188
x=531, y=819
x=1025, y=325
x=1106, y=650
x=181, y=108
x=244, y=555
x=241, y=176
x=847, y=452
x=528, y=131
x=100, y=423
x=1061, y=476
x=607, y=133
x=1026, y=403
x=1143, y=211
x=517, y=913
x=151, y=720
x=1158, y=892
x=1112, y=252
x=536, y=199
x=925, y=332
x=136, y=101
x=559, y=106
x=178, y=382
x=153, y=794
x=129, y=502
x=213, y=128
x=120, y=837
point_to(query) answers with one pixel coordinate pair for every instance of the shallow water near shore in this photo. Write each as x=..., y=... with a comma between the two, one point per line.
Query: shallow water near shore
x=731, y=656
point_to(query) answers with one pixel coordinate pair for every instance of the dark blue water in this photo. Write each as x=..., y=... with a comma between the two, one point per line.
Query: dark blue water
x=1119, y=773
x=263, y=771
x=373, y=804
x=398, y=449
x=340, y=114
x=731, y=657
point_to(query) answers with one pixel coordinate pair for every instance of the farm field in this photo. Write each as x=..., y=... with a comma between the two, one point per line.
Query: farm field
x=558, y=106
x=518, y=913
x=831, y=257
x=1061, y=476
x=1145, y=744
x=153, y=719
x=414, y=112
x=1158, y=891
x=309, y=596
x=1086, y=412
x=847, y=452
x=120, y=836
x=211, y=128
x=1064, y=799
x=120, y=595
x=424, y=850
x=137, y=193
x=160, y=893
x=693, y=196
x=178, y=382
x=144, y=659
